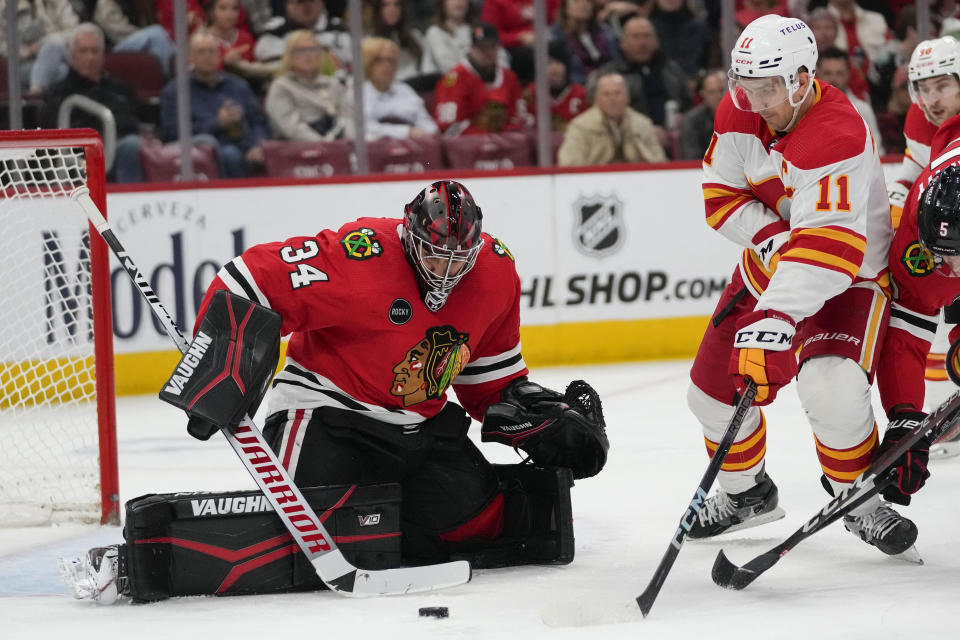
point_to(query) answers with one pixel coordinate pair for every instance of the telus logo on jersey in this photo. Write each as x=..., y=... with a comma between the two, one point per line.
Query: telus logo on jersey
x=400, y=312
x=598, y=228
x=188, y=364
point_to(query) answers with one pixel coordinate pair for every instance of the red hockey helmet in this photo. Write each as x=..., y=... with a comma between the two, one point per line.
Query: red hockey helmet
x=442, y=238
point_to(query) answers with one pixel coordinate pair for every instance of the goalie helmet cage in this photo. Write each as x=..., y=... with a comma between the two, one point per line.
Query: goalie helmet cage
x=58, y=461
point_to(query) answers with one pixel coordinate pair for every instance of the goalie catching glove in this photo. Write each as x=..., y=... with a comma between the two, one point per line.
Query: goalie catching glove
x=910, y=468
x=763, y=351
x=554, y=430
x=225, y=372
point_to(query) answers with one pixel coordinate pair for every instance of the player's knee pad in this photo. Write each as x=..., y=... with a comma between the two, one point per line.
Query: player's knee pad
x=233, y=543
x=835, y=395
x=715, y=416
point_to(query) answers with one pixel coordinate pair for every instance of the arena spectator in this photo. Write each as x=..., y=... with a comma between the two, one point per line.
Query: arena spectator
x=610, y=131
x=86, y=77
x=826, y=29
x=567, y=99
x=897, y=55
x=616, y=12
x=833, y=67
x=653, y=79
x=746, y=11
x=306, y=101
x=224, y=111
x=514, y=21
x=684, y=37
x=304, y=14
x=120, y=34
x=258, y=14
x=862, y=34
x=40, y=22
x=480, y=95
x=448, y=39
x=236, y=41
x=893, y=119
x=591, y=43
x=696, y=130
x=196, y=16
x=391, y=109
x=388, y=19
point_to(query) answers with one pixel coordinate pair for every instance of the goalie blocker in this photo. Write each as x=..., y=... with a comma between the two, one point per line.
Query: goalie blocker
x=225, y=372
x=231, y=543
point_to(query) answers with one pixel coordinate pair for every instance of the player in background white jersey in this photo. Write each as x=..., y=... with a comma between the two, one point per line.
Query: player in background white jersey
x=793, y=175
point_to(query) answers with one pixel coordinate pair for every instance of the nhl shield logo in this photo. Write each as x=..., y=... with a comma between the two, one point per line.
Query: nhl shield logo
x=598, y=229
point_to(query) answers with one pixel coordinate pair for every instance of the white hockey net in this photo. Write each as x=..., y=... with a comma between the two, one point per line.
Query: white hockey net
x=50, y=467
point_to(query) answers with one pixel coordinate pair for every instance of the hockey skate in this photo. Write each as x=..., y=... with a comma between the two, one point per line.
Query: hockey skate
x=724, y=512
x=887, y=530
x=96, y=575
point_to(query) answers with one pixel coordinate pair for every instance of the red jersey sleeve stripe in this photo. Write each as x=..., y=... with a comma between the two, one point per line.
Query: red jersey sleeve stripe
x=720, y=209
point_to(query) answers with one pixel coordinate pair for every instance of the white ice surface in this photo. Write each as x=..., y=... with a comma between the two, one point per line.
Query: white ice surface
x=831, y=586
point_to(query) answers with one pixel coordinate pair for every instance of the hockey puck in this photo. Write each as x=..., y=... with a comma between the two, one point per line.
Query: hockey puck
x=434, y=612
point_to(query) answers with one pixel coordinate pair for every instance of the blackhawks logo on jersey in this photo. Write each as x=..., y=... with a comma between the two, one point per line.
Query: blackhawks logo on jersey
x=430, y=366
x=359, y=244
x=917, y=260
x=501, y=249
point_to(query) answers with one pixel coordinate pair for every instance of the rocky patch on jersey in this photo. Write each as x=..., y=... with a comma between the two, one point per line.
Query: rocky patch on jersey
x=598, y=227
x=359, y=244
x=501, y=249
x=430, y=366
x=917, y=260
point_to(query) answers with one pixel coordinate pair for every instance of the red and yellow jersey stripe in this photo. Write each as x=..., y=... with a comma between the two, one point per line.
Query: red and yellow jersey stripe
x=721, y=201
x=830, y=247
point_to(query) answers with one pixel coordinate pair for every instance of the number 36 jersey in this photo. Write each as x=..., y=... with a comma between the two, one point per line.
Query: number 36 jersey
x=361, y=337
x=810, y=205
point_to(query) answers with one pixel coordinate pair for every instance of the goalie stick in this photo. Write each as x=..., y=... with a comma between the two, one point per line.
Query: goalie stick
x=646, y=599
x=878, y=475
x=274, y=481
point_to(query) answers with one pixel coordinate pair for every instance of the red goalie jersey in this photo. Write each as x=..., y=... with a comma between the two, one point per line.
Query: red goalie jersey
x=920, y=289
x=361, y=337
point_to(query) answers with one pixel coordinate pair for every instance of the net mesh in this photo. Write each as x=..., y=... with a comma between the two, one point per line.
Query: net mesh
x=49, y=457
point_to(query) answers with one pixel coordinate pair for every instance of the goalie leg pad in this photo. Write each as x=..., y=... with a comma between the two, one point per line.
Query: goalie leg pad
x=225, y=372
x=232, y=543
x=554, y=430
x=537, y=520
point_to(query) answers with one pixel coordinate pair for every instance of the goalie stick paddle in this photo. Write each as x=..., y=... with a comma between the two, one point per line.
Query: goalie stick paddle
x=646, y=599
x=274, y=481
x=872, y=481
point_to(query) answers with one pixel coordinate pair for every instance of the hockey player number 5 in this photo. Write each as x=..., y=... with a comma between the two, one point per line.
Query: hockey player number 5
x=306, y=274
x=824, y=203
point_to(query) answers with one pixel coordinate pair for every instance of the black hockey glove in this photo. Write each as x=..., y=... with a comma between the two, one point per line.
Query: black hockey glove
x=228, y=366
x=910, y=468
x=554, y=430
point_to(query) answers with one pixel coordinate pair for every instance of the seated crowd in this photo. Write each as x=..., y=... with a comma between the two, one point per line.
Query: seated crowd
x=629, y=80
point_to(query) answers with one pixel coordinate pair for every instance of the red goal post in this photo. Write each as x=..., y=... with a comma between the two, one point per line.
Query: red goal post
x=58, y=458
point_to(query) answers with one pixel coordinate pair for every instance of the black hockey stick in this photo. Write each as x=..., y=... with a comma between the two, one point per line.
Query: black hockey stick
x=726, y=574
x=649, y=595
x=275, y=483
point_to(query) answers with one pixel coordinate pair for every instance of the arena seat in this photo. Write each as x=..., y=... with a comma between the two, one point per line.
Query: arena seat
x=409, y=155
x=290, y=159
x=142, y=71
x=488, y=151
x=161, y=163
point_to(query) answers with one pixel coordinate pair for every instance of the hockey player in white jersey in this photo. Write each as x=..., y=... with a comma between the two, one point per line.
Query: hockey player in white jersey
x=792, y=175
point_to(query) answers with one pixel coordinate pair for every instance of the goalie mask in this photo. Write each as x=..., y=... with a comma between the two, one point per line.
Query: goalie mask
x=441, y=238
x=938, y=221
